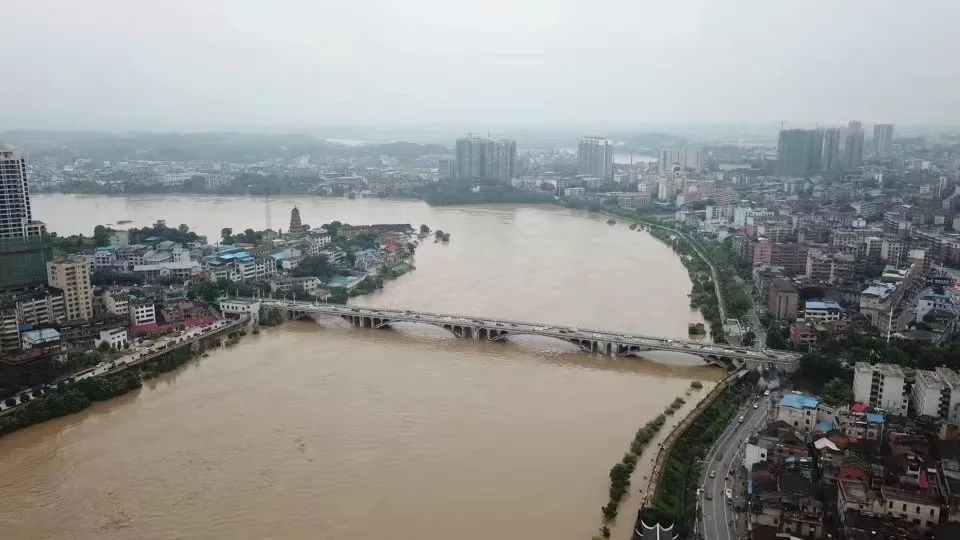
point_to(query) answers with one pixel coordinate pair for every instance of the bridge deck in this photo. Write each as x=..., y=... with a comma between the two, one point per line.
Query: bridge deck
x=564, y=332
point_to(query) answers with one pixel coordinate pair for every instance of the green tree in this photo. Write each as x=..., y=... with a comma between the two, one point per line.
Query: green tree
x=314, y=265
x=775, y=340
x=424, y=229
x=748, y=339
x=101, y=235
x=837, y=392
x=225, y=234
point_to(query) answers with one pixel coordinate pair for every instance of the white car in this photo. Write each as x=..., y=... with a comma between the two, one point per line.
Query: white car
x=728, y=493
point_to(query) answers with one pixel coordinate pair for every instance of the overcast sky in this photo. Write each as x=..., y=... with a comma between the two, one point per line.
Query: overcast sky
x=477, y=64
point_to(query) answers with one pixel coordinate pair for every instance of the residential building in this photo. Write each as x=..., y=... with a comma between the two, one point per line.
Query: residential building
x=799, y=411
x=882, y=139
x=116, y=301
x=447, y=170
x=876, y=302
x=881, y=385
x=821, y=310
x=853, y=146
x=930, y=301
x=72, y=277
x=116, y=338
x=595, y=157
x=937, y=393
x=632, y=201
x=574, y=192
x=239, y=306
x=782, y=299
x=182, y=270
x=16, y=219
x=142, y=311
x=798, y=152
x=830, y=153
x=480, y=158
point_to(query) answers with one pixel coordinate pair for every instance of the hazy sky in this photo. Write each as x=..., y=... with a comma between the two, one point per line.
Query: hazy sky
x=284, y=64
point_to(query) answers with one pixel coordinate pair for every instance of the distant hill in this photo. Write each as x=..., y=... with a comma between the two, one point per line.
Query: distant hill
x=218, y=146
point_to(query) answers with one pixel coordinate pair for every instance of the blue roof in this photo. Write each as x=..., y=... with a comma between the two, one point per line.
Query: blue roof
x=823, y=427
x=821, y=304
x=874, y=418
x=799, y=402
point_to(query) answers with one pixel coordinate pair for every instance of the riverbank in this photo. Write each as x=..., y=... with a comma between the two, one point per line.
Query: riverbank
x=715, y=291
x=76, y=393
x=676, y=481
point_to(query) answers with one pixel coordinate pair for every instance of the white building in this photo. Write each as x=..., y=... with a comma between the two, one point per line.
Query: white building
x=930, y=301
x=142, y=312
x=116, y=338
x=799, y=411
x=937, y=393
x=823, y=311
x=237, y=306
x=881, y=385
x=595, y=157
x=574, y=192
x=117, y=301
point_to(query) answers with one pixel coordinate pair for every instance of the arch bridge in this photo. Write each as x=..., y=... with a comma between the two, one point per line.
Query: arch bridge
x=594, y=341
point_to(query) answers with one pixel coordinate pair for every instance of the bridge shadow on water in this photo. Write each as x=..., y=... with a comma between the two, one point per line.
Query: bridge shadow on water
x=544, y=349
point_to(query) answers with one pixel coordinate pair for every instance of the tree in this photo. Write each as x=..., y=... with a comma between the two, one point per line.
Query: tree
x=775, y=340
x=333, y=228
x=101, y=235
x=225, y=234
x=315, y=266
x=837, y=392
x=183, y=228
x=748, y=339
x=104, y=346
x=424, y=229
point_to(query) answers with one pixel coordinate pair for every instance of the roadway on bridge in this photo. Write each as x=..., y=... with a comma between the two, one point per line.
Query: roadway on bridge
x=567, y=333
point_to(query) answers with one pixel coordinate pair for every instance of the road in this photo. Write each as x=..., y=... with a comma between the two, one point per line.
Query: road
x=612, y=342
x=718, y=513
x=136, y=355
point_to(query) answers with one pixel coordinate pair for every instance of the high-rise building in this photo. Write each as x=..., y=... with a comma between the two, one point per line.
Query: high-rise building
x=937, y=393
x=480, y=158
x=595, y=156
x=830, y=151
x=501, y=160
x=853, y=146
x=882, y=139
x=447, y=170
x=72, y=277
x=295, y=223
x=666, y=160
x=24, y=246
x=471, y=157
x=815, y=148
x=881, y=385
x=16, y=220
x=793, y=152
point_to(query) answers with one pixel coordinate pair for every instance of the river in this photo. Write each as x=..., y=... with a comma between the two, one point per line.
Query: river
x=320, y=430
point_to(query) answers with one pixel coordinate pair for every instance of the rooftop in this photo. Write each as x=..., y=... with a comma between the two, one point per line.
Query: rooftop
x=795, y=401
x=884, y=369
x=821, y=304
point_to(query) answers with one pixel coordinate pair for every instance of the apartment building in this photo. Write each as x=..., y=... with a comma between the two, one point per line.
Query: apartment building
x=881, y=385
x=72, y=277
x=937, y=393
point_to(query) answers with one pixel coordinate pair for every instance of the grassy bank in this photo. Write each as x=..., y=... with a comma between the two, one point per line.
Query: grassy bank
x=77, y=397
x=676, y=498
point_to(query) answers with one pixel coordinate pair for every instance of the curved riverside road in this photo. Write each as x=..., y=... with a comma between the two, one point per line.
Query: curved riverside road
x=718, y=513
